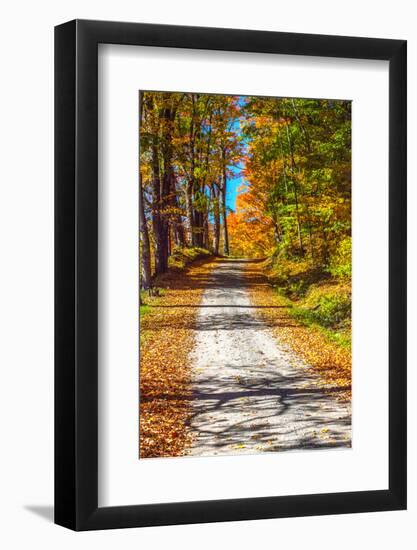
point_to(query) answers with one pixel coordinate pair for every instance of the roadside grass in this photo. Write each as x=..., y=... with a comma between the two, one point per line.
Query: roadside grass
x=325, y=316
x=181, y=257
x=143, y=309
x=314, y=297
x=314, y=321
x=179, y=260
x=341, y=338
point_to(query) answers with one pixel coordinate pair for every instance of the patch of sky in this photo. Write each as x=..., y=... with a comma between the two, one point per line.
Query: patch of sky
x=237, y=181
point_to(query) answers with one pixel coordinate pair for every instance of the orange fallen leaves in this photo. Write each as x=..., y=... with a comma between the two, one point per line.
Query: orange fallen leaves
x=167, y=337
x=330, y=361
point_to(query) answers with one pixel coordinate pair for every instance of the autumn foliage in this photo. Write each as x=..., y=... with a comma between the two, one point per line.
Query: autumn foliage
x=296, y=201
x=292, y=211
x=189, y=144
x=167, y=338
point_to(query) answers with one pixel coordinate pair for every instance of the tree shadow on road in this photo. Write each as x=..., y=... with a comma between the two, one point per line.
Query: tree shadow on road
x=231, y=415
x=223, y=321
x=266, y=416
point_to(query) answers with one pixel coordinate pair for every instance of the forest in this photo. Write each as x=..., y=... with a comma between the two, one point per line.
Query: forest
x=188, y=145
x=245, y=245
x=291, y=159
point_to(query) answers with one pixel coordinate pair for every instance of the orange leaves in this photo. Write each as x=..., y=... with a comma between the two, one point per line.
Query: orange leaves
x=167, y=337
x=250, y=229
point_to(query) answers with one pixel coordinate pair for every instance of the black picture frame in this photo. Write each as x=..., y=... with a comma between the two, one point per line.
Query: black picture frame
x=76, y=272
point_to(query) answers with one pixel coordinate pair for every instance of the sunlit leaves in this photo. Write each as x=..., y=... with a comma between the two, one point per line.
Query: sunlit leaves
x=297, y=168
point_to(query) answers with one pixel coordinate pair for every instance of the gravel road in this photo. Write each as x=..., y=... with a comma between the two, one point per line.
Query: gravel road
x=252, y=393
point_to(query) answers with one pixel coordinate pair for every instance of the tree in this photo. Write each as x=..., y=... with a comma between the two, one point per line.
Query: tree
x=189, y=143
x=294, y=155
x=298, y=175
x=145, y=250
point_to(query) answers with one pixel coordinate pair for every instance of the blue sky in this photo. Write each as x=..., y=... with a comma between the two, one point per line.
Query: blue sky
x=234, y=183
x=232, y=187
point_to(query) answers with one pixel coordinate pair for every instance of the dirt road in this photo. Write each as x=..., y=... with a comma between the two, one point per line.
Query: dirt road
x=251, y=393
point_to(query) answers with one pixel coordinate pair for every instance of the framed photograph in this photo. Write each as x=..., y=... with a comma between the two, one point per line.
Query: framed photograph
x=230, y=252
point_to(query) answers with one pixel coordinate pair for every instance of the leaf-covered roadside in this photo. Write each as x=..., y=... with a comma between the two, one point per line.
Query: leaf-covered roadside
x=167, y=337
x=331, y=361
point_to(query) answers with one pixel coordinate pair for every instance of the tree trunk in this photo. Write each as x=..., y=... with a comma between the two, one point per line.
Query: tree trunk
x=190, y=211
x=145, y=249
x=302, y=128
x=325, y=248
x=297, y=211
x=145, y=256
x=300, y=238
x=310, y=233
x=198, y=229
x=216, y=219
x=191, y=214
x=178, y=227
x=206, y=234
x=224, y=209
x=277, y=230
x=161, y=221
x=160, y=227
x=179, y=233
